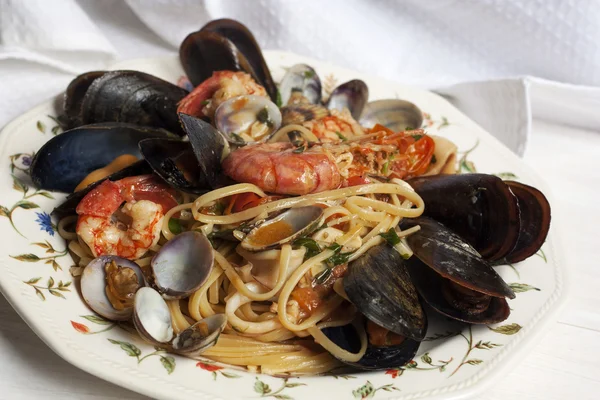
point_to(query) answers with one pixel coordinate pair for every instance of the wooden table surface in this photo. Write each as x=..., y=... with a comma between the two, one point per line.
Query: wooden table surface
x=563, y=365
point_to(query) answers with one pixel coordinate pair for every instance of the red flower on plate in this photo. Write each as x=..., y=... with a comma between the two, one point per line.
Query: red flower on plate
x=208, y=367
x=392, y=372
x=81, y=328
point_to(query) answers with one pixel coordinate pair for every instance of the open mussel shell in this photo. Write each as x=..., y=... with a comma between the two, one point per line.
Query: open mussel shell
x=244, y=40
x=379, y=286
x=352, y=95
x=451, y=257
x=208, y=146
x=199, y=337
x=182, y=265
x=94, y=282
x=74, y=96
x=376, y=357
x=203, y=52
x=151, y=317
x=462, y=305
x=132, y=97
x=397, y=115
x=63, y=161
x=254, y=116
x=534, y=216
x=284, y=228
x=300, y=84
x=175, y=162
x=478, y=207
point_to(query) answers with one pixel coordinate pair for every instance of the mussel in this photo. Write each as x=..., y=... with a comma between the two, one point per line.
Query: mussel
x=283, y=228
x=203, y=52
x=300, y=84
x=247, y=119
x=451, y=276
x=244, y=40
x=182, y=265
x=108, y=285
x=62, y=162
x=352, y=95
x=123, y=96
x=485, y=212
x=397, y=115
x=152, y=320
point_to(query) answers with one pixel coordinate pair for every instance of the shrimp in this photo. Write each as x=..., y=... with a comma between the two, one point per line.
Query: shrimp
x=283, y=168
x=130, y=230
x=338, y=126
x=221, y=86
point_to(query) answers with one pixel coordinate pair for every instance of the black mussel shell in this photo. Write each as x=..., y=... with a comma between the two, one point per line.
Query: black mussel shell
x=376, y=357
x=534, y=214
x=62, y=162
x=451, y=257
x=244, y=40
x=208, y=146
x=68, y=207
x=132, y=97
x=379, y=286
x=204, y=52
x=478, y=207
x=74, y=96
x=175, y=162
x=352, y=95
x=431, y=288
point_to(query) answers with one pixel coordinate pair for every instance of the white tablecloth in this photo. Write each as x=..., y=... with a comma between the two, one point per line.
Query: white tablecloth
x=564, y=364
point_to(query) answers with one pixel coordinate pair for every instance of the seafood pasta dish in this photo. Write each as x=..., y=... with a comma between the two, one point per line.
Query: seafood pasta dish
x=275, y=227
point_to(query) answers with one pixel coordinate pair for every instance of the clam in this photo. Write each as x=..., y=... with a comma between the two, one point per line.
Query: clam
x=284, y=228
x=152, y=320
x=182, y=265
x=125, y=96
x=108, y=285
x=203, y=52
x=397, y=115
x=452, y=277
x=247, y=118
x=175, y=162
x=379, y=286
x=244, y=40
x=300, y=84
x=62, y=162
x=352, y=95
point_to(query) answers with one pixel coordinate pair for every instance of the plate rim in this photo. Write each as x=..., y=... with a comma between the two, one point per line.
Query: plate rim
x=472, y=385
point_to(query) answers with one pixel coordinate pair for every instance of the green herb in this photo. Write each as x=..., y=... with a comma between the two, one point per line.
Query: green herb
x=299, y=150
x=237, y=137
x=409, y=128
x=322, y=276
x=417, y=137
x=278, y=101
x=385, y=168
x=391, y=237
x=205, y=102
x=175, y=226
x=433, y=159
x=308, y=74
x=264, y=117
x=338, y=258
x=312, y=247
x=339, y=134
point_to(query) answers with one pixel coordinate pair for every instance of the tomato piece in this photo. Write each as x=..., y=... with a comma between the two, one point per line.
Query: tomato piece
x=244, y=201
x=357, y=180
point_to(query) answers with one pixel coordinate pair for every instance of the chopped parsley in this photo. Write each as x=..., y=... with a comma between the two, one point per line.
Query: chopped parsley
x=278, y=101
x=300, y=149
x=237, y=138
x=339, y=134
x=264, y=117
x=417, y=137
x=433, y=159
x=175, y=226
x=391, y=237
x=308, y=74
x=312, y=247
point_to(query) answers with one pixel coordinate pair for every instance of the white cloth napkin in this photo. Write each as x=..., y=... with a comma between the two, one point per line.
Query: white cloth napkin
x=477, y=54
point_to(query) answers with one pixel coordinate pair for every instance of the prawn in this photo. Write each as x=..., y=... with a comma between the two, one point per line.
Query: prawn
x=220, y=87
x=285, y=168
x=128, y=230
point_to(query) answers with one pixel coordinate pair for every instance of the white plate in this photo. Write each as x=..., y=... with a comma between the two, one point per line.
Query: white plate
x=449, y=367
